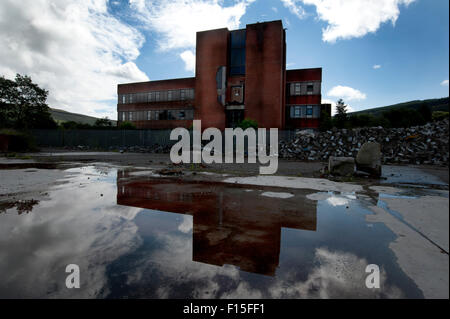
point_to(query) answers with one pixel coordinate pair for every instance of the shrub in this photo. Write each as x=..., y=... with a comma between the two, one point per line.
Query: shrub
x=440, y=115
x=246, y=123
x=127, y=126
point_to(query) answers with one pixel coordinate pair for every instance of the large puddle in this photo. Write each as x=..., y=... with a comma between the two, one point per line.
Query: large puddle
x=148, y=237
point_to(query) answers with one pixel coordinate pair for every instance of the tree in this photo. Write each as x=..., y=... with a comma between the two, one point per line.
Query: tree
x=23, y=104
x=341, y=113
x=127, y=126
x=104, y=122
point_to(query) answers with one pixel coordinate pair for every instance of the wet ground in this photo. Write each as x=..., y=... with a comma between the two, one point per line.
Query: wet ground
x=137, y=234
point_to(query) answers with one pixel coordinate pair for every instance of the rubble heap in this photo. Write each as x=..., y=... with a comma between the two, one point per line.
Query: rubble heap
x=427, y=144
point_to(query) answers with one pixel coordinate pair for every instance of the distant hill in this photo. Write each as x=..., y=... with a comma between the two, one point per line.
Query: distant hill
x=434, y=104
x=64, y=116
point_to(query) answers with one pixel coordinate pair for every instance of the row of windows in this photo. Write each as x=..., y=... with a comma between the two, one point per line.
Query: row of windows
x=154, y=115
x=304, y=111
x=157, y=96
x=302, y=88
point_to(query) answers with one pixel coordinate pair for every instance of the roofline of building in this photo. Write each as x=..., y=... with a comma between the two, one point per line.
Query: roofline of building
x=156, y=81
x=319, y=68
x=250, y=24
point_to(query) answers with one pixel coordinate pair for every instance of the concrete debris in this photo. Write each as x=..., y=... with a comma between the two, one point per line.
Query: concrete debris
x=342, y=166
x=427, y=144
x=368, y=158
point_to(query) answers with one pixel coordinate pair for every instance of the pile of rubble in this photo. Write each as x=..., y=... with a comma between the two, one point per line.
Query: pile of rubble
x=427, y=144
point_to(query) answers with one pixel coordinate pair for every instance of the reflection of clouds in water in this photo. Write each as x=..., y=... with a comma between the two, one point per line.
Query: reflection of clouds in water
x=333, y=199
x=338, y=275
x=175, y=268
x=337, y=201
x=186, y=225
x=76, y=226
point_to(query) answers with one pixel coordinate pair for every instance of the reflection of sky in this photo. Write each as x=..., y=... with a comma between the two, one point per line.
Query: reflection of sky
x=77, y=225
x=125, y=251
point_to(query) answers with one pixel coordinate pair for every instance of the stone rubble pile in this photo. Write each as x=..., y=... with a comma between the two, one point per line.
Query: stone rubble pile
x=427, y=144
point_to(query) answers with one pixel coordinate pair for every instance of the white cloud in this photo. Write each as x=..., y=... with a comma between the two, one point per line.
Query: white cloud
x=74, y=48
x=176, y=22
x=346, y=93
x=350, y=18
x=376, y=67
x=294, y=8
x=444, y=83
x=189, y=60
x=275, y=9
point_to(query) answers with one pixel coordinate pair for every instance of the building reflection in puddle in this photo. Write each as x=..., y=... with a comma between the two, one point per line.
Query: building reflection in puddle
x=231, y=224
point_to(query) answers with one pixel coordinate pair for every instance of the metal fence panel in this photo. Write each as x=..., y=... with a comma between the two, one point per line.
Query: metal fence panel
x=105, y=139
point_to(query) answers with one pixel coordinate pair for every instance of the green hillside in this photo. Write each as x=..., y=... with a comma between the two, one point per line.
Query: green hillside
x=435, y=105
x=64, y=116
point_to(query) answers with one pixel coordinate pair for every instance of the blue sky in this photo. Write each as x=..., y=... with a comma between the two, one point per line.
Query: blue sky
x=373, y=53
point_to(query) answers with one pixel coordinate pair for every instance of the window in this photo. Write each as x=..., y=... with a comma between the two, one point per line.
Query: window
x=149, y=115
x=123, y=99
x=310, y=88
x=123, y=116
x=169, y=96
x=316, y=111
x=182, y=95
x=157, y=96
x=150, y=96
x=237, y=52
x=163, y=115
x=130, y=116
x=181, y=115
x=191, y=94
x=130, y=97
x=305, y=111
x=297, y=89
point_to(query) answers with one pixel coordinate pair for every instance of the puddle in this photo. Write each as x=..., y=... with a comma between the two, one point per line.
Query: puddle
x=147, y=237
x=409, y=176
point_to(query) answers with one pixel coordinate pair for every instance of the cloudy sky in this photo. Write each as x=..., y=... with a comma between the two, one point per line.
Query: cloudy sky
x=373, y=52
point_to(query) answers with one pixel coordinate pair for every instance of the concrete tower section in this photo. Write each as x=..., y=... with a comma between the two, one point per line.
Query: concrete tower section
x=211, y=53
x=265, y=74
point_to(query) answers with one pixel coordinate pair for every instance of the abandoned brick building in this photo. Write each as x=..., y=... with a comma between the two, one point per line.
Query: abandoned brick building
x=239, y=74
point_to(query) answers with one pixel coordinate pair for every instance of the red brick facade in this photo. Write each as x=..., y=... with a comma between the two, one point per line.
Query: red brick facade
x=239, y=74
